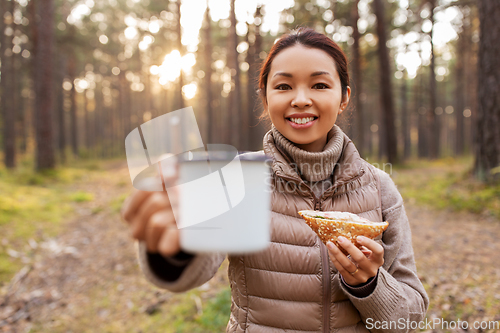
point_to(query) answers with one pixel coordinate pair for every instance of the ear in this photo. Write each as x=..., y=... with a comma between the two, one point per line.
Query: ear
x=345, y=100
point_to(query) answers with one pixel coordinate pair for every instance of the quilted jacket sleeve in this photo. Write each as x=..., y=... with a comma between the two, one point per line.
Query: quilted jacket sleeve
x=399, y=297
x=178, y=274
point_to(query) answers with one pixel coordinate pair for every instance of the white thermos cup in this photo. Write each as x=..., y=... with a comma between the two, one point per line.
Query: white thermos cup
x=224, y=200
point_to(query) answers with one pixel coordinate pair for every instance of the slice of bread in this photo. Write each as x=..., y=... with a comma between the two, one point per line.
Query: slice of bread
x=330, y=225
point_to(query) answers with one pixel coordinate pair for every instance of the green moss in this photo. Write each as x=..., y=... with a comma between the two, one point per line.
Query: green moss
x=7, y=267
x=448, y=183
x=97, y=210
x=35, y=204
x=180, y=315
x=82, y=197
x=116, y=204
x=216, y=313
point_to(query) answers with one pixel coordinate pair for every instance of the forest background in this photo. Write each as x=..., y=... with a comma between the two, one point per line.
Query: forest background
x=78, y=75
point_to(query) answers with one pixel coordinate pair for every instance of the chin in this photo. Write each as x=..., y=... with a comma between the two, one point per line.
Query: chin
x=301, y=140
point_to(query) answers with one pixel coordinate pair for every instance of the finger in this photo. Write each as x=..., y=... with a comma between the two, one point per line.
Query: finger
x=132, y=204
x=333, y=252
x=377, y=254
x=156, y=202
x=169, y=243
x=355, y=253
x=346, y=272
x=157, y=224
x=366, y=252
x=338, y=257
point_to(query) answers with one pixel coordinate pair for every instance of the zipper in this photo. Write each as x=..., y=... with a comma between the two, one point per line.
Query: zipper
x=331, y=189
x=325, y=263
x=326, y=280
x=326, y=289
x=299, y=181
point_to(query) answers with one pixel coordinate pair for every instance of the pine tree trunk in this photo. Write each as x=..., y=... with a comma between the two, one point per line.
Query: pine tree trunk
x=21, y=106
x=257, y=127
x=359, y=128
x=61, y=137
x=7, y=85
x=32, y=16
x=387, y=132
x=235, y=95
x=125, y=104
x=251, y=86
x=43, y=78
x=488, y=115
x=421, y=122
x=178, y=27
x=180, y=98
x=209, y=120
x=405, y=113
x=19, y=102
x=72, y=110
x=433, y=120
x=99, y=107
x=88, y=133
x=459, y=94
x=16, y=88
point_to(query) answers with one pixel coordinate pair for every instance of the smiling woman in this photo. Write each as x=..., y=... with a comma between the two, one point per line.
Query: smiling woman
x=298, y=283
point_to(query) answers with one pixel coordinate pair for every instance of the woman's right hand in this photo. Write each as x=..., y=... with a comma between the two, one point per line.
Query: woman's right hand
x=151, y=219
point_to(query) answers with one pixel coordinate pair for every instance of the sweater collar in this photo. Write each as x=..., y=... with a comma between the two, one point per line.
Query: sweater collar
x=311, y=166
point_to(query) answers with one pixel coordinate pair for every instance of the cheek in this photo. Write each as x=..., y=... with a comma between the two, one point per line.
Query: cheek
x=278, y=100
x=275, y=105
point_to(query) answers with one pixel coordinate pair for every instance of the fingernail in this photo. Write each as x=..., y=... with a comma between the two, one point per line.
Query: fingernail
x=341, y=239
x=329, y=245
x=360, y=239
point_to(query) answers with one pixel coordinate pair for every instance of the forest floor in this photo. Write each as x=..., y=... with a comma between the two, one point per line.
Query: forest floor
x=86, y=278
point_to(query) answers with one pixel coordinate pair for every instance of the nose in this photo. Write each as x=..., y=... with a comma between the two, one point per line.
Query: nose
x=301, y=99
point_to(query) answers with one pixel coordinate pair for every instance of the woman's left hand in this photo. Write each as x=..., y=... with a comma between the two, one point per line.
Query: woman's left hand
x=362, y=264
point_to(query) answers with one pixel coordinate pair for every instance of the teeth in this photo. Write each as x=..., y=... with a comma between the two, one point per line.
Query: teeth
x=302, y=120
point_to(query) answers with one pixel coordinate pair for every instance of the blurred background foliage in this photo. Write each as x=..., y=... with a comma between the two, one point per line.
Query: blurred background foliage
x=77, y=76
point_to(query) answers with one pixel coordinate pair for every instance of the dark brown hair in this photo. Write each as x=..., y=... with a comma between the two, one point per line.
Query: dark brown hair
x=308, y=38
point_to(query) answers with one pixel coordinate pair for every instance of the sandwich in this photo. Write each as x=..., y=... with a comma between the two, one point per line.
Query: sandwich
x=330, y=225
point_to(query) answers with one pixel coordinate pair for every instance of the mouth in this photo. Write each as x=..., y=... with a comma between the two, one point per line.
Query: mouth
x=301, y=122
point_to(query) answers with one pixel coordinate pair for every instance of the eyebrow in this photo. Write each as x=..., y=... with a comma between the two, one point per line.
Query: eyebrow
x=313, y=74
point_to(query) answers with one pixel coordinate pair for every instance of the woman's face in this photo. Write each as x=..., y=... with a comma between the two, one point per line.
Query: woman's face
x=304, y=96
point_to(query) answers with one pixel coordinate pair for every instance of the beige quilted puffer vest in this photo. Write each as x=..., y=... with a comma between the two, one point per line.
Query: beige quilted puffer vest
x=292, y=285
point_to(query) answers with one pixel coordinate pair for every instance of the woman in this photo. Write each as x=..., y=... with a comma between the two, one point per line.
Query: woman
x=298, y=284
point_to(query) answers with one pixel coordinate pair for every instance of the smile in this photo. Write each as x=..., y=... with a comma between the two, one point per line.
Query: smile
x=302, y=122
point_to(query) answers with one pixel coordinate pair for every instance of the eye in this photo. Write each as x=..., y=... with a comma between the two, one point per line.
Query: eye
x=321, y=86
x=282, y=87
